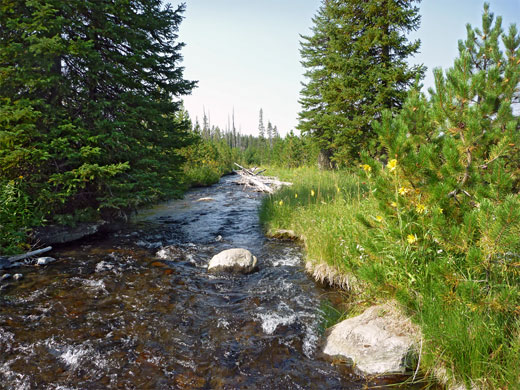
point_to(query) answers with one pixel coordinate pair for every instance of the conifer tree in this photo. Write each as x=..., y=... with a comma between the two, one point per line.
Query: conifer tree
x=355, y=62
x=453, y=177
x=88, y=97
x=449, y=195
x=270, y=133
x=261, y=127
x=276, y=134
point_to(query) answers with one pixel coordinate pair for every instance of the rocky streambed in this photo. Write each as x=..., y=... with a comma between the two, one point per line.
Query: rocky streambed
x=138, y=309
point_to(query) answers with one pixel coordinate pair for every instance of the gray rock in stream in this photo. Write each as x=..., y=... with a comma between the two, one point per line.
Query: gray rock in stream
x=45, y=260
x=233, y=260
x=5, y=277
x=57, y=234
x=378, y=342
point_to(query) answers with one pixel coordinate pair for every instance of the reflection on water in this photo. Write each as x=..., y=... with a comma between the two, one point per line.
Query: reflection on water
x=112, y=314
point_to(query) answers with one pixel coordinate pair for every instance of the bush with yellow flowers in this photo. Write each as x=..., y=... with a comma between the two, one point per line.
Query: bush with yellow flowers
x=447, y=189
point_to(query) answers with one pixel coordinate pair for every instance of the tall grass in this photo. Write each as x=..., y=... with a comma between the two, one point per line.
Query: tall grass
x=470, y=326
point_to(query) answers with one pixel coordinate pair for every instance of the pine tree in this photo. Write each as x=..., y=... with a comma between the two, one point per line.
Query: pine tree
x=448, y=197
x=455, y=158
x=356, y=66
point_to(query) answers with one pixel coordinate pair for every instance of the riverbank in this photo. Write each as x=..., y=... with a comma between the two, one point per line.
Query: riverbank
x=469, y=336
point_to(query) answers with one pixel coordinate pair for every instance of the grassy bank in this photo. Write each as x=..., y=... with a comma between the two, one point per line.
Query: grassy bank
x=470, y=326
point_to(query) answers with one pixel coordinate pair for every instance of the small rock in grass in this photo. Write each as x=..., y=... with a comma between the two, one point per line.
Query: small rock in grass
x=45, y=260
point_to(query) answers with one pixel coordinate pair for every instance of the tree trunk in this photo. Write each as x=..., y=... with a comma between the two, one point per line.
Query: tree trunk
x=324, y=160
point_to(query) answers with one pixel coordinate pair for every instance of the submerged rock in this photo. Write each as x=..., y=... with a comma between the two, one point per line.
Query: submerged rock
x=5, y=277
x=171, y=252
x=17, y=276
x=284, y=234
x=378, y=342
x=233, y=260
x=45, y=260
x=5, y=263
x=207, y=199
x=57, y=234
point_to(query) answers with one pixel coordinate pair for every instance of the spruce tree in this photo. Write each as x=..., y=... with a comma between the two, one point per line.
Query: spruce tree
x=270, y=133
x=276, y=134
x=355, y=62
x=261, y=127
x=88, y=97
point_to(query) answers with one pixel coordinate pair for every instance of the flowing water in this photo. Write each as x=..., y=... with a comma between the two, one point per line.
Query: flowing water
x=137, y=309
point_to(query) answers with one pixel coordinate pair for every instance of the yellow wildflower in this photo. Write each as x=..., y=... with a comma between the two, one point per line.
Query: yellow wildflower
x=20, y=177
x=420, y=208
x=379, y=218
x=393, y=204
x=411, y=238
x=392, y=164
x=403, y=191
x=440, y=210
x=295, y=196
x=280, y=203
x=312, y=192
x=337, y=189
x=366, y=167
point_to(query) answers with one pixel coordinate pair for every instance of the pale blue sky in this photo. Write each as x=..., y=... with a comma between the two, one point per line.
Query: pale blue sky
x=245, y=53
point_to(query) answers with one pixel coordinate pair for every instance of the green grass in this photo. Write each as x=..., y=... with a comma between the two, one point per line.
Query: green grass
x=202, y=176
x=470, y=326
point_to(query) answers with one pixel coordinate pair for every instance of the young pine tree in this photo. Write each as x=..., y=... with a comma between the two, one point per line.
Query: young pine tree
x=448, y=200
x=460, y=149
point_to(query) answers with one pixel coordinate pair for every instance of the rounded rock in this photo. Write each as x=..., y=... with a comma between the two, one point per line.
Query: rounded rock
x=45, y=260
x=378, y=342
x=233, y=260
x=5, y=277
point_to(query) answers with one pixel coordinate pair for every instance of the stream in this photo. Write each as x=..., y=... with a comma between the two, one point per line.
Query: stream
x=113, y=314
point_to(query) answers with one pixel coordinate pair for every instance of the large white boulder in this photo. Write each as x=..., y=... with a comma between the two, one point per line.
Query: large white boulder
x=378, y=342
x=233, y=260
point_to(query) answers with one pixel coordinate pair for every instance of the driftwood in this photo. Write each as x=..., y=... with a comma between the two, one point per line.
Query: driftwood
x=250, y=178
x=23, y=256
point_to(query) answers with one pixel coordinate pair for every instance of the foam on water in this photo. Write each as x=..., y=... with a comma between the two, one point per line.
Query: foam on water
x=72, y=357
x=104, y=266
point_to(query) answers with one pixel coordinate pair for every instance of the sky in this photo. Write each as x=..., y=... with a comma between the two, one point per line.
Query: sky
x=245, y=53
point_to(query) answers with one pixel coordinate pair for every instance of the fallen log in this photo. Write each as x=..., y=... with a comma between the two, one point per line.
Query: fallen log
x=245, y=169
x=23, y=256
x=253, y=179
x=257, y=184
